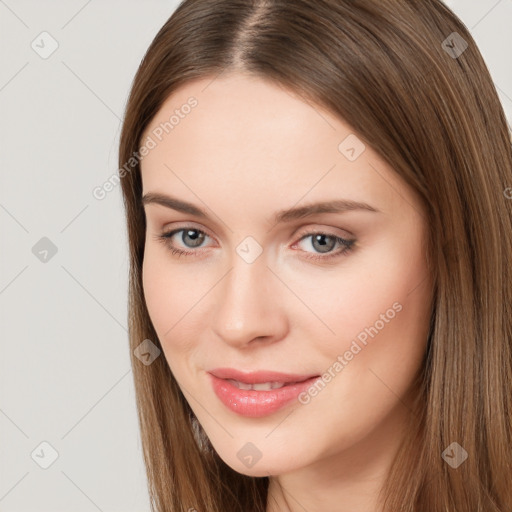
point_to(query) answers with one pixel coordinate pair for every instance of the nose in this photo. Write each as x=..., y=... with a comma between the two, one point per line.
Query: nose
x=250, y=305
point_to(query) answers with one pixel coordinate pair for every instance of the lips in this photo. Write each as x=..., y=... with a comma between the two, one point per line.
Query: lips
x=258, y=377
x=259, y=393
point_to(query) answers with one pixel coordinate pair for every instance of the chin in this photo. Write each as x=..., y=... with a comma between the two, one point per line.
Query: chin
x=260, y=469
x=277, y=462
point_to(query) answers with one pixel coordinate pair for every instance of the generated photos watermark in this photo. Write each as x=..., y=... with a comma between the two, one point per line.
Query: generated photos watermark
x=355, y=348
x=151, y=142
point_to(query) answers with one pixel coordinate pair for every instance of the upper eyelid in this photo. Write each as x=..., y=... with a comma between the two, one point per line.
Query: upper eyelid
x=184, y=228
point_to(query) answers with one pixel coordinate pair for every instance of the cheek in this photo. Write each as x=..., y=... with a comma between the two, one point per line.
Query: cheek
x=167, y=292
x=176, y=297
x=378, y=308
x=156, y=289
x=381, y=318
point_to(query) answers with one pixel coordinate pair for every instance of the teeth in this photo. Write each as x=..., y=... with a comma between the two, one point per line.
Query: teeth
x=263, y=386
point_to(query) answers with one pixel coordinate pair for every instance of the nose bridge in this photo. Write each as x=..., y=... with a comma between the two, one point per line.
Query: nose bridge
x=247, y=302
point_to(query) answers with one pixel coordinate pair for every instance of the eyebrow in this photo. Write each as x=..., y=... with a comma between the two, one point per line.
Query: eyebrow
x=287, y=215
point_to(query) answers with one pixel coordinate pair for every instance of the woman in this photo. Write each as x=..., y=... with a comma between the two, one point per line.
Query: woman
x=320, y=225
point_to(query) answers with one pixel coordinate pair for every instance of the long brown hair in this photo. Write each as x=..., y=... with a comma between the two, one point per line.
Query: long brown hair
x=422, y=98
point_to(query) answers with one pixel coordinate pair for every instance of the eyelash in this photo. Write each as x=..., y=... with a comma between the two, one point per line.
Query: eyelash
x=347, y=244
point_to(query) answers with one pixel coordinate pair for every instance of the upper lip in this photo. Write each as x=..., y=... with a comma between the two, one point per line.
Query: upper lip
x=258, y=377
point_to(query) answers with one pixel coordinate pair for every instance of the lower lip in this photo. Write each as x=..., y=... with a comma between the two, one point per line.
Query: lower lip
x=253, y=403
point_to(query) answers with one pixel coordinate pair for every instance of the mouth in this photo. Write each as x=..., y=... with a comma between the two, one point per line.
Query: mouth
x=259, y=393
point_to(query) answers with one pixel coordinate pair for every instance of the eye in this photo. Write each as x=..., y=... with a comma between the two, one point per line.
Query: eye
x=192, y=238
x=324, y=243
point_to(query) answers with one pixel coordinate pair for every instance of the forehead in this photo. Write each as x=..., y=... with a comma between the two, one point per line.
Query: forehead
x=248, y=137
x=246, y=117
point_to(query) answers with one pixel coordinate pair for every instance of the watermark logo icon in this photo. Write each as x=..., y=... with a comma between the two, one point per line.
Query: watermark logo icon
x=351, y=148
x=454, y=45
x=44, y=250
x=454, y=455
x=249, y=249
x=249, y=454
x=44, y=45
x=147, y=352
x=44, y=455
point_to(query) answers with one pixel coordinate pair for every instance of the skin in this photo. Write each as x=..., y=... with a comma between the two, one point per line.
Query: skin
x=242, y=161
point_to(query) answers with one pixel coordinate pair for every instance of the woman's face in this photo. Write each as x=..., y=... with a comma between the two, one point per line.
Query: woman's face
x=341, y=298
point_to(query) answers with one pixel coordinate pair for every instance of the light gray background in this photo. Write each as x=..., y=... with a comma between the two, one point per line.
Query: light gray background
x=65, y=373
